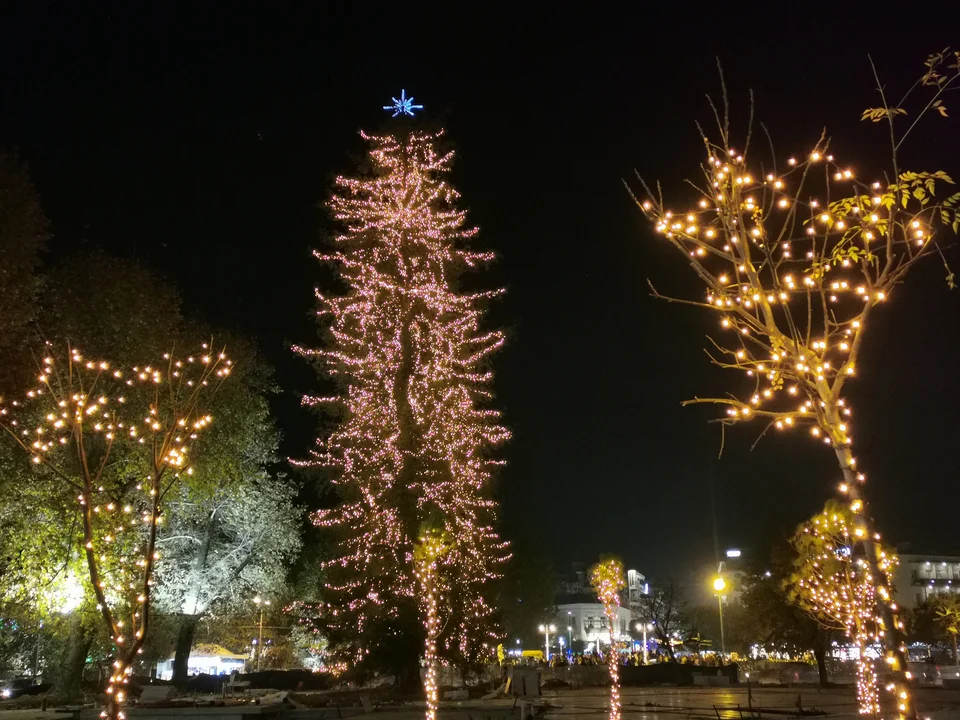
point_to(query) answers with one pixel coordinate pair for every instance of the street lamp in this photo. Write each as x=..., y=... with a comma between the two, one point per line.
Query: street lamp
x=719, y=585
x=644, y=627
x=261, y=603
x=546, y=630
x=570, y=637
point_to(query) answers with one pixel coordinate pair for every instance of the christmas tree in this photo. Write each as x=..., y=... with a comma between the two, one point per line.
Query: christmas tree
x=412, y=448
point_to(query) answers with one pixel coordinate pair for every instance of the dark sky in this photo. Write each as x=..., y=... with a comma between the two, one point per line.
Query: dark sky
x=203, y=141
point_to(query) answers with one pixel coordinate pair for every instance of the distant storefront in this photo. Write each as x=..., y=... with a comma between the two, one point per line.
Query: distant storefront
x=205, y=660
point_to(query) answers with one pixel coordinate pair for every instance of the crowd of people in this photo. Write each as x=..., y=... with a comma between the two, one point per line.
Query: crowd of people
x=633, y=658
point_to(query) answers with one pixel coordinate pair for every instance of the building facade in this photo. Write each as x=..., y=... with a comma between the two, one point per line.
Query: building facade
x=587, y=622
x=580, y=617
x=919, y=578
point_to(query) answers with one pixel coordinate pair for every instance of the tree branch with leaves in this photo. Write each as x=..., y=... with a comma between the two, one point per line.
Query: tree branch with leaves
x=796, y=258
x=119, y=440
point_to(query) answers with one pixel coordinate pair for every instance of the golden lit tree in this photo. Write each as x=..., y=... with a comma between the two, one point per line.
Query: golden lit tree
x=409, y=353
x=608, y=581
x=429, y=552
x=796, y=258
x=838, y=589
x=118, y=441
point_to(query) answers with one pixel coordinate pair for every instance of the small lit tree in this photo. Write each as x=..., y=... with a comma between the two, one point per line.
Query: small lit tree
x=119, y=439
x=796, y=258
x=428, y=553
x=839, y=589
x=608, y=581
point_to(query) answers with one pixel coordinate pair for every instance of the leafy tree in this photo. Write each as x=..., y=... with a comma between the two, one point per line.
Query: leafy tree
x=233, y=528
x=770, y=619
x=103, y=304
x=837, y=587
x=797, y=259
x=667, y=609
x=113, y=307
x=937, y=621
x=69, y=425
x=23, y=235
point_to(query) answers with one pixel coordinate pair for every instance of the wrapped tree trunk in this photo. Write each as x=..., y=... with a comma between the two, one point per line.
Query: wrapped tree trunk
x=608, y=582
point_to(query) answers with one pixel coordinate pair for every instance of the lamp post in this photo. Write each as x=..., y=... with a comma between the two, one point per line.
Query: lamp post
x=719, y=585
x=570, y=638
x=546, y=630
x=644, y=627
x=261, y=603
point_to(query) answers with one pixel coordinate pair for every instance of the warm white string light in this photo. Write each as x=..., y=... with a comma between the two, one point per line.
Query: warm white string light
x=81, y=417
x=795, y=262
x=415, y=434
x=607, y=580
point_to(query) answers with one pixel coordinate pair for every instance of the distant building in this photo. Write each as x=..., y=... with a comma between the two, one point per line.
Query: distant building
x=733, y=569
x=579, y=610
x=637, y=589
x=920, y=577
x=588, y=622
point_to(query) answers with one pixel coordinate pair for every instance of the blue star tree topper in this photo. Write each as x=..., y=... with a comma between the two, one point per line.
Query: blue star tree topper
x=403, y=105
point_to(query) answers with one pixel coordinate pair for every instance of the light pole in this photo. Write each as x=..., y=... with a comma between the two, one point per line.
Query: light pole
x=719, y=585
x=546, y=630
x=644, y=627
x=261, y=603
x=570, y=638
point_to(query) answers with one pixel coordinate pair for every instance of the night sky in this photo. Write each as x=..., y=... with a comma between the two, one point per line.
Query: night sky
x=203, y=143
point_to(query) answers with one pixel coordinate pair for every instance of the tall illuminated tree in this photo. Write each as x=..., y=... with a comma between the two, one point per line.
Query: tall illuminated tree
x=796, y=257
x=838, y=589
x=118, y=440
x=413, y=442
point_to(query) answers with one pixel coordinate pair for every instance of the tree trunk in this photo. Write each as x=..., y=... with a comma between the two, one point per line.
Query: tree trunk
x=188, y=628
x=68, y=686
x=892, y=636
x=956, y=658
x=820, y=654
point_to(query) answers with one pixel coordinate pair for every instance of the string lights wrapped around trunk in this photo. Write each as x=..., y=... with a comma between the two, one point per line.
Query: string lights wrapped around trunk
x=91, y=426
x=795, y=258
x=428, y=552
x=608, y=582
x=415, y=432
x=837, y=587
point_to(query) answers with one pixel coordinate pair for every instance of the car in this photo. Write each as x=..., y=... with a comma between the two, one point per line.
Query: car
x=11, y=689
x=924, y=673
x=949, y=672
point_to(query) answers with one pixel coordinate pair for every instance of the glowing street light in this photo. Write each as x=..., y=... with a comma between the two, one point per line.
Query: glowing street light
x=261, y=603
x=644, y=627
x=719, y=586
x=546, y=630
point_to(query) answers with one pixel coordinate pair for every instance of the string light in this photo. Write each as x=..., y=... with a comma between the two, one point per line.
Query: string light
x=427, y=553
x=73, y=414
x=607, y=580
x=839, y=588
x=830, y=250
x=416, y=434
